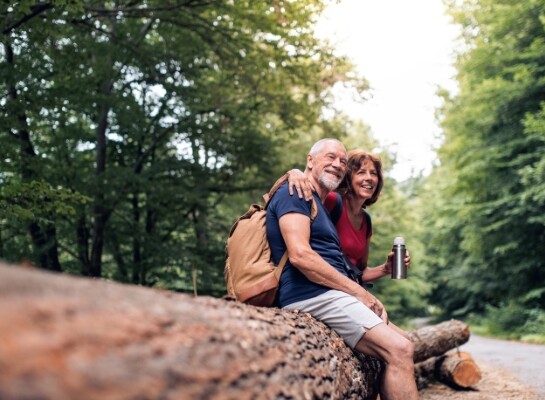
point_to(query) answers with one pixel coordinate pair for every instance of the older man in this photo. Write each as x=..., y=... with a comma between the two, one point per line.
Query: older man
x=315, y=280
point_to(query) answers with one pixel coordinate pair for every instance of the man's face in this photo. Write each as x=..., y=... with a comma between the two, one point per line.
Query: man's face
x=328, y=166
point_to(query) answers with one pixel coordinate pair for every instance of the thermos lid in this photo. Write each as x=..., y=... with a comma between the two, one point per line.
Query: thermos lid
x=399, y=241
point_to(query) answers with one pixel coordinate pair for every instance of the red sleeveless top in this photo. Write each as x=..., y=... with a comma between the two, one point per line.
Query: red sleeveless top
x=354, y=242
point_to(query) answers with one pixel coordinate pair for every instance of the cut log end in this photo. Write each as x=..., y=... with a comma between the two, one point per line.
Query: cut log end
x=460, y=370
x=455, y=369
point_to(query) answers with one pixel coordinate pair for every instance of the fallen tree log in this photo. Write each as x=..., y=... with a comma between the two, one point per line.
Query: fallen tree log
x=435, y=340
x=64, y=337
x=456, y=369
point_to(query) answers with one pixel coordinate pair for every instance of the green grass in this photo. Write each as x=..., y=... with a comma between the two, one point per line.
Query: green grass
x=494, y=332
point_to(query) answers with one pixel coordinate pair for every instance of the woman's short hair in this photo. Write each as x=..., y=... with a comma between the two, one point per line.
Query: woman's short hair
x=355, y=160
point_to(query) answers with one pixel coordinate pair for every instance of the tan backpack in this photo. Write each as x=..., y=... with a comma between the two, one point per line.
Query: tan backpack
x=250, y=274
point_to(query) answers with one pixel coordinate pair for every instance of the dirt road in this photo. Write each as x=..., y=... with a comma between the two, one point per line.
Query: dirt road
x=525, y=361
x=510, y=370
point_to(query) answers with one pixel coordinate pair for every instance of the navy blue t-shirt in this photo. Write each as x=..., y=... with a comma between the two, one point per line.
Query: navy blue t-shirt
x=294, y=286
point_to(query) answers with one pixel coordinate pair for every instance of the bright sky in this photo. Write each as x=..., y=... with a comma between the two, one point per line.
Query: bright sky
x=405, y=49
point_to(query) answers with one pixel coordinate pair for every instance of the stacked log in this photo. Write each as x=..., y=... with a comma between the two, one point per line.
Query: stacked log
x=455, y=368
x=435, y=359
x=435, y=340
x=63, y=337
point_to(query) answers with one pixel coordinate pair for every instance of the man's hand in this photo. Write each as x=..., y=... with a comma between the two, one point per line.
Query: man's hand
x=373, y=303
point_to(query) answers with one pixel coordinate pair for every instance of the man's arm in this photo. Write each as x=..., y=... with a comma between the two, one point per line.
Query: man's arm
x=295, y=229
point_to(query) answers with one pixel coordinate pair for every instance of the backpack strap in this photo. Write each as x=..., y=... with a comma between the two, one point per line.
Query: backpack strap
x=267, y=196
x=313, y=213
x=337, y=210
x=284, y=178
x=369, y=224
x=281, y=265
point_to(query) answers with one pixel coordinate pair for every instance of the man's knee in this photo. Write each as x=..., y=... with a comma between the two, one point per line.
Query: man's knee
x=387, y=345
x=408, y=348
x=403, y=350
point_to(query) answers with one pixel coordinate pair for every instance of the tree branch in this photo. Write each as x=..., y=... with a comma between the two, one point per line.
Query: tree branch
x=36, y=10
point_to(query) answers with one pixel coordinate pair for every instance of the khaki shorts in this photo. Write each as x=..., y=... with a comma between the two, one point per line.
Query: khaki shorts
x=343, y=313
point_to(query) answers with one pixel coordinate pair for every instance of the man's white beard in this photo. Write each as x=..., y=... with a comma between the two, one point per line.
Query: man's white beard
x=328, y=182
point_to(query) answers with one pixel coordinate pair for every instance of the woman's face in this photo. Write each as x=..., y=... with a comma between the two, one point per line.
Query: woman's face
x=365, y=180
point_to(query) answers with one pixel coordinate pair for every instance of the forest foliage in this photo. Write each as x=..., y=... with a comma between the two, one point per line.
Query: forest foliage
x=133, y=133
x=484, y=214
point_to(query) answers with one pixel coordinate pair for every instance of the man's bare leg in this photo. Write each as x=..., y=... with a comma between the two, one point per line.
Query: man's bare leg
x=398, y=330
x=396, y=351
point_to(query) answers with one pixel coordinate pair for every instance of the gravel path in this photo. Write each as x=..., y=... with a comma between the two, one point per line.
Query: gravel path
x=510, y=371
x=525, y=361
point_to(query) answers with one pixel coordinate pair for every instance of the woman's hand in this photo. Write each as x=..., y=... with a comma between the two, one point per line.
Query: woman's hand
x=298, y=180
x=387, y=267
x=390, y=262
x=407, y=259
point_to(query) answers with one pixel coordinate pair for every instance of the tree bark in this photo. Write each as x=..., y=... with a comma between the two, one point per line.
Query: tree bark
x=435, y=340
x=456, y=369
x=65, y=337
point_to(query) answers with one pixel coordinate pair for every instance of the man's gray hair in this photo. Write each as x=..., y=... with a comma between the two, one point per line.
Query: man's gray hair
x=317, y=147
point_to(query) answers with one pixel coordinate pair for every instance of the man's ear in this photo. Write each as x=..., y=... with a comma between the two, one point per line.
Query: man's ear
x=310, y=163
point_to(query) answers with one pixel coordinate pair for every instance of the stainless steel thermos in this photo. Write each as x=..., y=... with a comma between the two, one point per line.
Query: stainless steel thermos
x=399, y=270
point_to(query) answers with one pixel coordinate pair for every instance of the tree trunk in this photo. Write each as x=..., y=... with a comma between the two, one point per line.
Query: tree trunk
x=65, y=338
x=455, y=368
x=101, y=213
x=44, y=236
